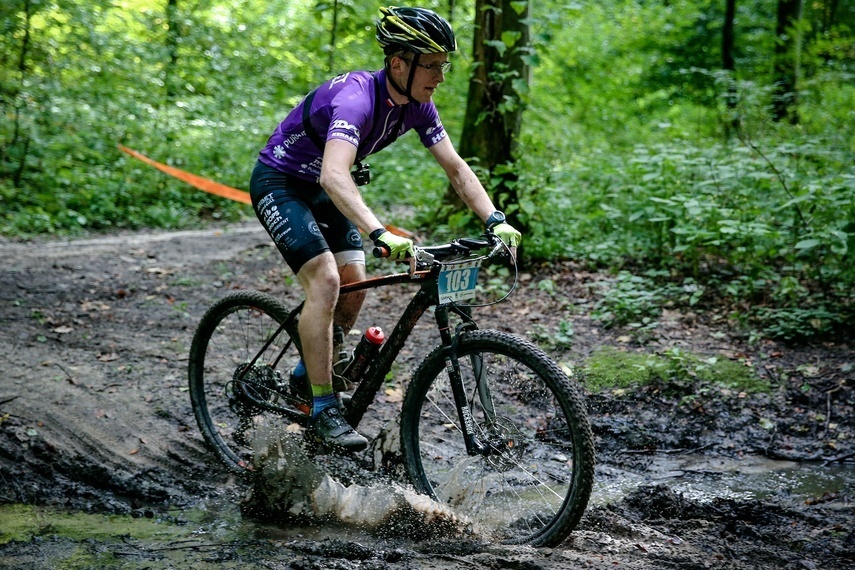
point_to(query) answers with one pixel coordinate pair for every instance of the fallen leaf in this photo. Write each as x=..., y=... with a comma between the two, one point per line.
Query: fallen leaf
x=108, y=357
x=394, y=395
x=766, y=424
x=63, y=329
x=134, y=451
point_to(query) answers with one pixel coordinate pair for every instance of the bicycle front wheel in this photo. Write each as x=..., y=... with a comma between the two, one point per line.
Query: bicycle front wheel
x=229, y=387
x=533, y=485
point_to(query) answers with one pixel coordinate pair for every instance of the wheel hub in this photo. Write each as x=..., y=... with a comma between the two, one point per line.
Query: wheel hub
x=505, y=442
x=251, y=388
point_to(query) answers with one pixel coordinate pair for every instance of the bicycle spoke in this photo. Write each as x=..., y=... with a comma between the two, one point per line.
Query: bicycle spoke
x=526, y=486
x=229, y=386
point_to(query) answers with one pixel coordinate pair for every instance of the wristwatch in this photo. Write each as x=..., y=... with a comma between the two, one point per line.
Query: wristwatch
x=495, y=219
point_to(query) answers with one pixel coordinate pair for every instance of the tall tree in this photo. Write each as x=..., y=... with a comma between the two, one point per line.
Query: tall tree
x=786, y=67
x=728, y=63
x=20, y=140
x=173, y=38
x=497, y=87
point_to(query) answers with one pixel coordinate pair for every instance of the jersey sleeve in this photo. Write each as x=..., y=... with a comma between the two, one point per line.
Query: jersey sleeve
x=430, y=127
x=350, y=111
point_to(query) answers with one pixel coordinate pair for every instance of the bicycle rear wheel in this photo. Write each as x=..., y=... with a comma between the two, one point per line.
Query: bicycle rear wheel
x=227, y=393
x=534, y=486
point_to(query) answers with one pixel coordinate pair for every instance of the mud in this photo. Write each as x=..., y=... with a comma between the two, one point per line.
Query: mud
x=95, y=420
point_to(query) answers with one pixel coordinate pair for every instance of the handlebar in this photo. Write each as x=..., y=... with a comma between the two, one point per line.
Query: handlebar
x=460, y=247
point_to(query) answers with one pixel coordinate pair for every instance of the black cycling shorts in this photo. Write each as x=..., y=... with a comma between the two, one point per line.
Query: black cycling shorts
x=302, y=219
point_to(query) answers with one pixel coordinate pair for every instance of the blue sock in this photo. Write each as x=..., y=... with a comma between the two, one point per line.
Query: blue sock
x=300, y=369
x=323, y=397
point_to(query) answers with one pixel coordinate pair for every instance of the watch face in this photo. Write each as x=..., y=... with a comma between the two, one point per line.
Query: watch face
x=495, y=218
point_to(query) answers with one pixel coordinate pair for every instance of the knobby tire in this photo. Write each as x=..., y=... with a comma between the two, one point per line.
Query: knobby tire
x=228, y=337
x=536, y=489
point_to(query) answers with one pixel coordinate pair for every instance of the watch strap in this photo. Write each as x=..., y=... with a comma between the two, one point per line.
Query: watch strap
x=495, y=219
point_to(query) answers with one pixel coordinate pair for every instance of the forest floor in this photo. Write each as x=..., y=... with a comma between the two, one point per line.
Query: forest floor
x=96, y=424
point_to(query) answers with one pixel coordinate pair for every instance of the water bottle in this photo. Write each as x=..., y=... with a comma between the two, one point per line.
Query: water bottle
x=368, y=346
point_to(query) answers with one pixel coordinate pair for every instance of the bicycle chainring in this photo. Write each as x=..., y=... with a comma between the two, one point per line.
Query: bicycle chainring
x=249, y=391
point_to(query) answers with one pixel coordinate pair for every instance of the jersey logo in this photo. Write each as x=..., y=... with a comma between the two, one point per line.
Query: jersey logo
x=438, y=137
x=345, y=126
x=339, y=79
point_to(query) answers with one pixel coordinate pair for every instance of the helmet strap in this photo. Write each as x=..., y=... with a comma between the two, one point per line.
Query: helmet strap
x=407, y=92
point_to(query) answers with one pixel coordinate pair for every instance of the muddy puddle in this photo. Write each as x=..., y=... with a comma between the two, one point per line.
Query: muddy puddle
x=214, y=529
x=703, y=478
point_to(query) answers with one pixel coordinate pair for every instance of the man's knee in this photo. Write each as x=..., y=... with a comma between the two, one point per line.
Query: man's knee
x=320, y=279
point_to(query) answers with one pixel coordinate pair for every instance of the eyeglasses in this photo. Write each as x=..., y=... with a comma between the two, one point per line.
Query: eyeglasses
x=443, y=67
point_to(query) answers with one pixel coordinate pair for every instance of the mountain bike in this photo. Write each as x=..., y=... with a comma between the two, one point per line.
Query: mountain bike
x=490, y=425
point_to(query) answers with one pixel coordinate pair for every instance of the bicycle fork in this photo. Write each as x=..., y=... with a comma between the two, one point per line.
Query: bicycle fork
x=467, y=424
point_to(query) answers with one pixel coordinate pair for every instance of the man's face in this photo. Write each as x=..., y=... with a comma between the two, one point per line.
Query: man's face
x=428, y=74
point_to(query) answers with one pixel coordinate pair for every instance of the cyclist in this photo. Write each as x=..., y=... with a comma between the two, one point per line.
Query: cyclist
x=304, y=194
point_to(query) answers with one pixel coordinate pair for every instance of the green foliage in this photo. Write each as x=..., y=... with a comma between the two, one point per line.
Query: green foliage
x=629, y=156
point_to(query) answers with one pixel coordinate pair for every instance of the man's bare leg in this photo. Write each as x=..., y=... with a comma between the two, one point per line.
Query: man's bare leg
x=320, y=280
x=349, y=305
x=346, y=311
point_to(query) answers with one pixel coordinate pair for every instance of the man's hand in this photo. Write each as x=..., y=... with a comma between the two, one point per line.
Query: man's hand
x=508, y=234
x=399, y=247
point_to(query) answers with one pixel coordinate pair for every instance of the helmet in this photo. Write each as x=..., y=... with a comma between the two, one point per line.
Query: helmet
x=418, y=30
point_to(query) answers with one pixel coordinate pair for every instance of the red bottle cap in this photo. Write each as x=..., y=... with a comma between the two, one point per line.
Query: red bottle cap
x=375, y=335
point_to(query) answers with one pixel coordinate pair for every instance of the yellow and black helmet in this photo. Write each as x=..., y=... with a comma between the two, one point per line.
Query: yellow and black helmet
x=418, y=30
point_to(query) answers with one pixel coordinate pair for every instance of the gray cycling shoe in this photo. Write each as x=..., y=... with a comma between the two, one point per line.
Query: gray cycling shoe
x=331, y=430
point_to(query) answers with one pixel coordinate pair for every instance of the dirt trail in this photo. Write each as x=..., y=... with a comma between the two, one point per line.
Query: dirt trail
x=94, y=414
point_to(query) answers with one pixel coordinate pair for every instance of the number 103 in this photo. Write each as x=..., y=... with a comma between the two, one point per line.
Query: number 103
x=458, y=280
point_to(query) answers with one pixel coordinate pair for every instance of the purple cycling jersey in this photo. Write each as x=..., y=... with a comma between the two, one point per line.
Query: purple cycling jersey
x=354, y=107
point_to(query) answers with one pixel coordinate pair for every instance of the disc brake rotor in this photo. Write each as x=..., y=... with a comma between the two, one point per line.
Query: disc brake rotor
x=506, y=442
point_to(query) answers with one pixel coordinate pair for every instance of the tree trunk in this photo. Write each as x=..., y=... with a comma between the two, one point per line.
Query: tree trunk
x=729, y=65
x=19, y=104
x=495, y=102
x=172, y=40
x=786, y=71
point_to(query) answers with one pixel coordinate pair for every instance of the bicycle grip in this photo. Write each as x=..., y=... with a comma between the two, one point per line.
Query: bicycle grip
x=380, y=251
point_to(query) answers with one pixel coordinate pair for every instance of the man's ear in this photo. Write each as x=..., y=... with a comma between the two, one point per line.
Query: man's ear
x=397, y=63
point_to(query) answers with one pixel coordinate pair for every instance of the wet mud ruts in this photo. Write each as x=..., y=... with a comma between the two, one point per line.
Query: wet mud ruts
x=95, y=418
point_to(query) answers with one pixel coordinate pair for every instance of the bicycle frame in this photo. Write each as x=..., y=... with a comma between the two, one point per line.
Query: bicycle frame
x=374, y=375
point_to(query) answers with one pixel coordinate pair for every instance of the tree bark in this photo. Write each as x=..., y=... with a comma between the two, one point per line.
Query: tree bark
x=172, y=41
x=18, y=105
x=728, y=64
x=495, y=103
x=786, y=70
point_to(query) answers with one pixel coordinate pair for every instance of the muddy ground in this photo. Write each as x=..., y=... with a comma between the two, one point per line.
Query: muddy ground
x=95, y=418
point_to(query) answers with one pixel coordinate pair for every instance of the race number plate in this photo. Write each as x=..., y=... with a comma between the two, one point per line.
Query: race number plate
x=457, y=281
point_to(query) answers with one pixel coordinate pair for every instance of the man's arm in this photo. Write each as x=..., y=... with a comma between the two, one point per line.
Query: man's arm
x=339, y=157
x=463, y=179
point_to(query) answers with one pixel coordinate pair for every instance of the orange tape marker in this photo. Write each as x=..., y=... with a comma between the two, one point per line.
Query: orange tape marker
x=222, y=190
x=197, y=181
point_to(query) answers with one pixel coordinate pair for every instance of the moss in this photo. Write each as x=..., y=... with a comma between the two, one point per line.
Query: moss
x=23, y=522
x=610, y=368
x=613, y=369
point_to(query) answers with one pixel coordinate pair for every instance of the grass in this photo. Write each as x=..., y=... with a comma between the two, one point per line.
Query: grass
x=610, y=369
